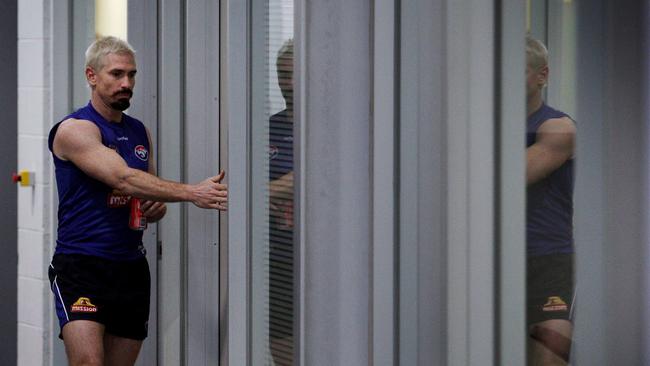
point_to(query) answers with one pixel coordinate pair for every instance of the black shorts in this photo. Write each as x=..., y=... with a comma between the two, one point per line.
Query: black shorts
x=113, y=293
x=550, y=288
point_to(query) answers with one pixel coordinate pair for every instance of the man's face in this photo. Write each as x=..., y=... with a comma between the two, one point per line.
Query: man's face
x=536, y=78
x=285, y=77
x=115, y=81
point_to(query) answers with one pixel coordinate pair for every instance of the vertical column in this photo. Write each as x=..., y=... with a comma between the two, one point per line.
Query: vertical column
x=34, y=233
x=590, y=204
x=140, y=18
x=422, y=184
x=385, y=178
x=470, y=102
x=234, y=109
x=171, y=230
x=8, y=192
x=510, y=210
x=61, y=106
x=611, y=186
x=201, y=146
x=336, y=236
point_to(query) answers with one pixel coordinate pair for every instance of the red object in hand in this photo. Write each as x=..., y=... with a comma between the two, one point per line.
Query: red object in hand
x=136, y=220
x=16, y=177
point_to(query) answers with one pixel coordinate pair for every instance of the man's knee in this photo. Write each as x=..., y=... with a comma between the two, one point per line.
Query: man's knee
x=553, y=340
x=86, y=359
x=83, y=343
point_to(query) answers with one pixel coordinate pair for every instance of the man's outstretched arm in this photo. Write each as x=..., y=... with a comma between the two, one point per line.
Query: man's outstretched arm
x=79, y=141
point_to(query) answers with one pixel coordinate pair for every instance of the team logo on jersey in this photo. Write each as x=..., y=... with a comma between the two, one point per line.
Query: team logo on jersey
x=141, y=152
x=273, y=152
x=555, y=303
x=83, y=305
x=116, y=199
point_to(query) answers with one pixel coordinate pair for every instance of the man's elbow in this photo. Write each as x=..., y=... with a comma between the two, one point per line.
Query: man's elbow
x=123, y=181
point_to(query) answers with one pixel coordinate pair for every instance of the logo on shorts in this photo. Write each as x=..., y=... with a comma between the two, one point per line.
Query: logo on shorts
x=83, y=305
x=555, y=303
x=141, y=152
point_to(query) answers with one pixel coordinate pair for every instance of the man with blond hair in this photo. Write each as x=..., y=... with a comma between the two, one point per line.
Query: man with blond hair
x=108, y=190
x=550, y=136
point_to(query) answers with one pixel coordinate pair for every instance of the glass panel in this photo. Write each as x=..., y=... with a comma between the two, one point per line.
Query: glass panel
x=550, y=149
x=83, y=34
x=89, y=20
x=272, y=236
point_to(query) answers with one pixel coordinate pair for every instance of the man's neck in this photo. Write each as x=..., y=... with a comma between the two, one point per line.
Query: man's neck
x=105, y=111
x=533, y=105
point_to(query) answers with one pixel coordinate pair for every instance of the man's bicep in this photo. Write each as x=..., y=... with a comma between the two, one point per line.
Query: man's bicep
x=554, y=146
x=101, y=163
x=81, y=145
x=557, y=137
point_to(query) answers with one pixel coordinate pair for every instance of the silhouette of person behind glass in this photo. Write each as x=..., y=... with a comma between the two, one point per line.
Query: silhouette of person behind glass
x=281, y=309
x=550, y=136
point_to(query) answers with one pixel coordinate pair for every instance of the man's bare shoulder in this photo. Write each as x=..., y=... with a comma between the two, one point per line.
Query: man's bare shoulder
x=74, y=129
x=558, y=125
x=557, y=134
x=72, y=134
x=77, y=125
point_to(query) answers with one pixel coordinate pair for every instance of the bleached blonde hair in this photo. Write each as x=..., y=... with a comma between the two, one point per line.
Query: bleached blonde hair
x=536, y=53
x=103, y=46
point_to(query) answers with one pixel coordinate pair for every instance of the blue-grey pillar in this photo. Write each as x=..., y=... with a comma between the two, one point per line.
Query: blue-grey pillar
x=8, y=190
x=336, y=231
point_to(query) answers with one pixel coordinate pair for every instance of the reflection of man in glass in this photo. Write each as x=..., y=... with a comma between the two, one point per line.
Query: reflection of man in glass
x=281, y=313
x=550, y=136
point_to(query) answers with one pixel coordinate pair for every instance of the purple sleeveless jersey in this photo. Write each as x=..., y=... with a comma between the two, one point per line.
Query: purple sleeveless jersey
x=549, y=206
x=93, y=219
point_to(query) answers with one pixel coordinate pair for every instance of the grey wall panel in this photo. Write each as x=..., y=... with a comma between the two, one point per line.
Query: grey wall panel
x=234, y=112
x=202, y=161
x=171, y=321
x=590, y=209
x=611, y=219
x=337, y=190
x=143, y=36
x=82, y=34
x=61, y=106
x=422, y=279
x=469, y=107
x=510, y=292
x=385, y=178
x=537, y=20
x=8, y=190
x=625, y=128
x=300, y=91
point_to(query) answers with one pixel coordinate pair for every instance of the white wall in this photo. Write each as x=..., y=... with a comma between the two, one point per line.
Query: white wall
x=34, y=203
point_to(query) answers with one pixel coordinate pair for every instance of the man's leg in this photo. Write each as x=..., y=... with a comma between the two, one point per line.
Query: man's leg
x=549, y=343
x=83, y=342
x=120, y=351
